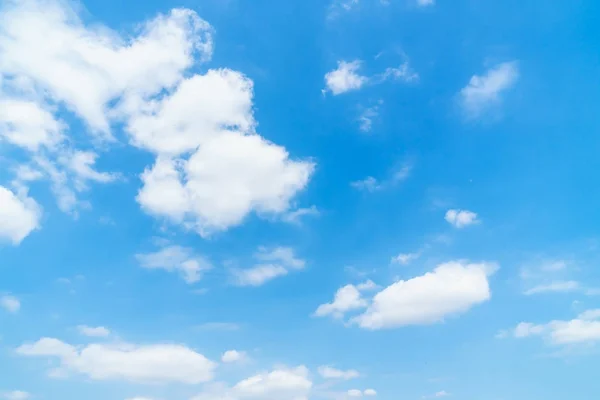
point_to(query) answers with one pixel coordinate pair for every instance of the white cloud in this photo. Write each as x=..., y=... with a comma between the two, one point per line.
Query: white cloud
x=485, y=91
x=403, y=73
x=212, y=169
x=347, y=298
x=355, y=393
x=90, y=331
x=583, y=329
x=345, y=78
x=461, y=218
x=370, y=392
x=273, y=263
x=452, y=288
x=232, y=356
x=295, y=216
x=19, y=216
x=160, y=363
x=281, y=384
x=10, y=304
x=366, y=118
x=176, y=259
x=405, y=258
x=328, y=372
x=15, y=395
x=368, y=184
x=554, y=287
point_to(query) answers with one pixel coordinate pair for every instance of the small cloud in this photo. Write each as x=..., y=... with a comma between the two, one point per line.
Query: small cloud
x=425, y=3
x=15, y=395
x=10, y=303
x=90, y=331
x=485, y=91
x=176, y=259
x=368, y=184
x=366, y=118
x=461, y=218
x=329, y=372
x=345, y=78
x=296, y=216
x=273, y=263
x=405, y=258
x=233, y=356
x=554, y=287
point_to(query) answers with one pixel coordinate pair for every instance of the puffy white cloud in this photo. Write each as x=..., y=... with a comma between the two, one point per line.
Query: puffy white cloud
x=452, y=288
x=91, y=331
x=143, y=364
x=232, y=356
x=485, y=91
x=273, y=263
x=345, y=78
x=461, y=218
x=370, y=392
x=19, y=216
x=347, y=298
x=176, y=259
x=554, y=287
x=328, y=372
x=15, y=395
x=212, y=168
x=355, y=393
x=583, y=329
x=281, y=384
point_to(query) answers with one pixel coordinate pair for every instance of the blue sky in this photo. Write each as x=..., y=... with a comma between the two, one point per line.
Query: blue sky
x=301, y=200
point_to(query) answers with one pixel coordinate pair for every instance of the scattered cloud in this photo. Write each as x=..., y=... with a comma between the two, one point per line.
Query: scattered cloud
x=272, y=263
x=585, y=329
x=436, y=395
x=160, y=363
x=296, y=216
x=371, y=184
x=15, y=395
x=328, y=372
x=90, y=331
x=176, y=259
x=405, y=258
x=366, y=118
x=347, y=298
x=485, y=91
x=19, y=216
x=452, y=288
x=233, y=356
x=281, y=383
x=368, y=184
x=554, y=287
x=461, y=218
x=354, y=393
x=345, y=78
x=10, y=303
x=402, y=73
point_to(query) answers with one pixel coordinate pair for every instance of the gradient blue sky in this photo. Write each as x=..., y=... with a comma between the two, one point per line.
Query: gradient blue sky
x=261, y=200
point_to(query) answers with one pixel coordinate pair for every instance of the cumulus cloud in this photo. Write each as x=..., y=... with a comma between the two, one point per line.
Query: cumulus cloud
x=232, y=356
x=211, y=169
x=160, y=363
x=19, y=216
x=347, y=298
x=485, y=91
x=93, y=331
x=451, y=289
x=176, y=259
x=272, y=263
x=581, y=330
x=345, y=78
x=405, y=258
x=461, y=218
x=10, y=303
x=281, y=384
x=329, y=372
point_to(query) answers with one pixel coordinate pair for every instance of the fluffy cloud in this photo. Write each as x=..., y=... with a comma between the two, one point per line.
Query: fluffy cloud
x=91, y=331
x=452, y=288
x=10, y=304
x=19, y=216
x=211, y=170
x=461, y=218
x=328, y=372
x=176, y=259
x=485, y=91
x=143, y=364
x=583, y=329
x=272, y=263
x=345, y=78
x=232, y=356
x=281, y=384
x=353, y=393
x=347, y=298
